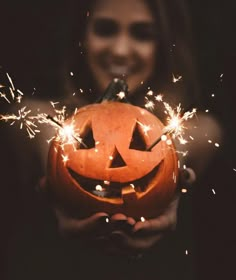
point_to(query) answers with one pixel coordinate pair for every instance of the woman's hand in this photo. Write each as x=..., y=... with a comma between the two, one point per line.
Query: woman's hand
x=143, y=235
x=121, y=233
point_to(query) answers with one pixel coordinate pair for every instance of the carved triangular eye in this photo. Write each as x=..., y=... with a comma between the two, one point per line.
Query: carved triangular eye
x=117, y=160
x=87, y=138
x=138, y=141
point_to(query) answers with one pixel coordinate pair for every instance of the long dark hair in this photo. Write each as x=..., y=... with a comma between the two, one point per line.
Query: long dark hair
x=175, y=51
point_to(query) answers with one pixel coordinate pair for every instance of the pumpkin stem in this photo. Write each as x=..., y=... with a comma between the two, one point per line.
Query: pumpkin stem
x=114, y=92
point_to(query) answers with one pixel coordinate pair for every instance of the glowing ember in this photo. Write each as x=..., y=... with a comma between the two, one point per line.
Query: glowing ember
x=145, y=128
x=99, y=188
x=149, y=104
x=150, y=93
x=159, y=97
x=175, y=120
x=121, y=95
x=64, y=158
x=176, y=79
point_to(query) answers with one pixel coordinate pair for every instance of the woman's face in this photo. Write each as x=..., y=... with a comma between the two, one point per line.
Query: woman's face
x=120, y=42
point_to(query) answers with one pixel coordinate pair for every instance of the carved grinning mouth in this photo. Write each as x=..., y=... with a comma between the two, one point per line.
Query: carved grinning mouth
x=112, y=189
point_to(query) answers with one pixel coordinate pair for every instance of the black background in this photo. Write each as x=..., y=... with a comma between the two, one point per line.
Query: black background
x=31, y=47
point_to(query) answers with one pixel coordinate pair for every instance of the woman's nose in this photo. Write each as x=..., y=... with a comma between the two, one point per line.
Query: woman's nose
x=122, y=46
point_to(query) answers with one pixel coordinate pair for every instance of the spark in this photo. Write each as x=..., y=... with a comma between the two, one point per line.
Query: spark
x=213, y=191
x=234, y=169
x=64, y=158
x=176, y=79
x=184, y=190
x=150, y=93
x=142, y=219
x=217, y=145
x=72, y=74
x=182, y=141
x=20, y=92
x=23, y=119
x=159, y=97
x=3, y=95
x=149, y=104
x=10, y=80
x=67, y=133
x=164, y=137
x=18, y=99
x=121, y=95
x=145, y=128
x=175, y=120
x=99, y=188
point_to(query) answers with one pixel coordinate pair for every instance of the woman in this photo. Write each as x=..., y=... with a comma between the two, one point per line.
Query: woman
x=143, y=43
x=133, y=40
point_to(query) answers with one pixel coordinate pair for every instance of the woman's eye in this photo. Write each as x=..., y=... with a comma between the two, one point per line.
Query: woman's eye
x=143, y=31
x=105, y=27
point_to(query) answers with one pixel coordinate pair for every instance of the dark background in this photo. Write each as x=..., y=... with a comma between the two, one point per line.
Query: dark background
x=31, y=49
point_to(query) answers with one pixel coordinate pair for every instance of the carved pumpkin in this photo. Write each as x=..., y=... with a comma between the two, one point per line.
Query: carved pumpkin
x=115, y=173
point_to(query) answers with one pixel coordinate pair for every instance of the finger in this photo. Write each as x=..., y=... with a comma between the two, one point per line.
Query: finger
x=159, y=224
x=122, y=222
x=165, y=222
x=71, y=226
x=132, y=243
x=118, y=217
x=131, y=221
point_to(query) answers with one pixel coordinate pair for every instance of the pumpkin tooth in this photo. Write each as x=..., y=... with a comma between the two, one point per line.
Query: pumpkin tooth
x=128, y=194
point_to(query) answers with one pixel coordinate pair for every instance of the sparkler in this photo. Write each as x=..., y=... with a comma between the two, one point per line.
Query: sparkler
x=67, y=133
x=175, y=125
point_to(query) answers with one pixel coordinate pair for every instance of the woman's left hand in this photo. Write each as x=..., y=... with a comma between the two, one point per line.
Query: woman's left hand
x=138, y=236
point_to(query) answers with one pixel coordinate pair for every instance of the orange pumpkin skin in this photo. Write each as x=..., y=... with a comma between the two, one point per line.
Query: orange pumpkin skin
x=136, y=182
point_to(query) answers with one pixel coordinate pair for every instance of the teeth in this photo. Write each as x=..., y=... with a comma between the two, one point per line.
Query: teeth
x=119, y=70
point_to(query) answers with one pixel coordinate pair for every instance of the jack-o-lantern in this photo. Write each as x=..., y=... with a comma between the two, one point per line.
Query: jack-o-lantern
x=114, y=173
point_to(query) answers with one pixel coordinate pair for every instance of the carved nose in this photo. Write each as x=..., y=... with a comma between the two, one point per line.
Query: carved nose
x=117, y=160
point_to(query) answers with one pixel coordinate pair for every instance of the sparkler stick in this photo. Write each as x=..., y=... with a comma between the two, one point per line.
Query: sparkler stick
x=157, y=140
x=61, y=127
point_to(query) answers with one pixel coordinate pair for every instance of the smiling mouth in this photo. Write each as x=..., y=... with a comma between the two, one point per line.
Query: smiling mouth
x=109, y=189
x=119, y=71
